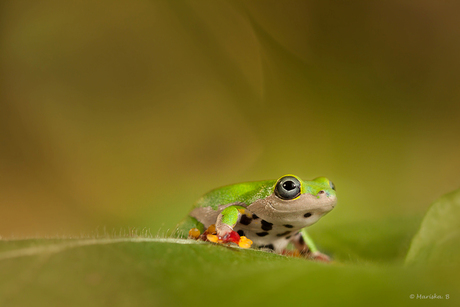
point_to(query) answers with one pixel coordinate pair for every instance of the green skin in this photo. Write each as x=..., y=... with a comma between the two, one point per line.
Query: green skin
x=254, y=210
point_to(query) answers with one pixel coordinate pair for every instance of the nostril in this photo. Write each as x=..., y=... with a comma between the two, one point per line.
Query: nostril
x=321, y=192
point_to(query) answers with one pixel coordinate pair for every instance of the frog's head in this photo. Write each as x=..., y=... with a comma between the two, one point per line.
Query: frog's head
x=301, y=202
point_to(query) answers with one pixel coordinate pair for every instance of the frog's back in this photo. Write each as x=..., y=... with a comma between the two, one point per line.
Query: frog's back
x=245, y=193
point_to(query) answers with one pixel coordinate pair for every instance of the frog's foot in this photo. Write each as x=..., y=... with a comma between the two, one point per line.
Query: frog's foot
x=244, y=242
x=212, y=235
x=317, y=256
x=234, y=237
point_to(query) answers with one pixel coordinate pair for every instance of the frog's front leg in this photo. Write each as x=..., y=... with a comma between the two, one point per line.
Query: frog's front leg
x=305, y=245
x=227, y=219
x=225, y=222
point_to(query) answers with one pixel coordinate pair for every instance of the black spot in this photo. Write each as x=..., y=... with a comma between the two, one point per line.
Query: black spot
x=266, y=225
x=245, y=220
x=308, y=214
x=283, y=234
x=288, y=237
x=269, y=246
x=262, y=234
x=255, y=217
x=240, y=232
x=288, y=226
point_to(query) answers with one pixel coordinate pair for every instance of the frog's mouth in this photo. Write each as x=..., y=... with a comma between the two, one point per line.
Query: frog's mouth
x=269, y=204
x=298, y=207
x=278, y=210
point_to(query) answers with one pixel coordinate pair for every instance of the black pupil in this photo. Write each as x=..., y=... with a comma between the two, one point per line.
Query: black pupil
x=289, y=185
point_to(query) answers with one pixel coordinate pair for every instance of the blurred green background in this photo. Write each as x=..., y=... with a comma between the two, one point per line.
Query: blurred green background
x=117, y=114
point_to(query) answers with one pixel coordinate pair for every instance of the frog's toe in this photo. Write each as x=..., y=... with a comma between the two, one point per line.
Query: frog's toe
x=317, y=256
x=244, y=242
x=194, y=233
x=213, y=238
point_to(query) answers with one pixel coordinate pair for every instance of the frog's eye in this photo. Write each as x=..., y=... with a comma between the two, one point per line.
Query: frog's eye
x=332, y=185
x=288, y=188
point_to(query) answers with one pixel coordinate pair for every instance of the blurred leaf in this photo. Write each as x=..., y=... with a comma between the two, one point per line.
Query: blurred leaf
x=438, y=239
x=378, y=240
x=168, y=272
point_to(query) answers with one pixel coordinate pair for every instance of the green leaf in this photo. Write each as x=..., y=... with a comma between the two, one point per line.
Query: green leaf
x=438, y=239
x=371, y=241
x=170, y=272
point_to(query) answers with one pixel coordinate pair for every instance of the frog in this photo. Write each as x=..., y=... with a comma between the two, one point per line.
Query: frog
x=266, y=215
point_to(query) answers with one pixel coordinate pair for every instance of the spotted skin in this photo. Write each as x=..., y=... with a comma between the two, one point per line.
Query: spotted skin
x=262, y=234
x=245, y=220
x=267, y=225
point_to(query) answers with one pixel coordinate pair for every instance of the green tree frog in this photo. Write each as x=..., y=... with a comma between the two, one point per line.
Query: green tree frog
x=266, y=214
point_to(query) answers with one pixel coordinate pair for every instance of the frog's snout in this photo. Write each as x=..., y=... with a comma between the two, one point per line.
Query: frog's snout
x=327, y=198
x=324, y=192
x=321, y=193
